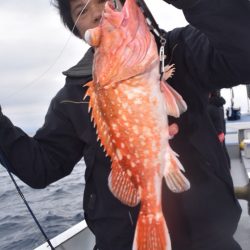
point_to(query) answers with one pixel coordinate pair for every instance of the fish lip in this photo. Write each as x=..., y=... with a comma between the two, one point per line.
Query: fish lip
x=114, y=16
x=110, y=7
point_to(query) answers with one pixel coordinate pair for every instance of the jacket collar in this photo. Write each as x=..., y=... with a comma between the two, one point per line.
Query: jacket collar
x=84, y=67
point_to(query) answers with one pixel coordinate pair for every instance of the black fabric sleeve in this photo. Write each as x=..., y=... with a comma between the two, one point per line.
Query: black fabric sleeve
x=50, y=155
x=183, y=4
x=218, y=45
x=217, y=117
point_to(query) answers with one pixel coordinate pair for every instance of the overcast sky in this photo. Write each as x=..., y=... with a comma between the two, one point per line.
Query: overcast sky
x=35, y=48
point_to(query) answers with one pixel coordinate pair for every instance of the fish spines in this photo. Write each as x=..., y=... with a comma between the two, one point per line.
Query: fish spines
x=96, y=116
x=151, y=233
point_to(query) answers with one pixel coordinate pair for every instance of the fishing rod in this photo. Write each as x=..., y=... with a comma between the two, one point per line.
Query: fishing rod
x=7, y=165
x=150, y=19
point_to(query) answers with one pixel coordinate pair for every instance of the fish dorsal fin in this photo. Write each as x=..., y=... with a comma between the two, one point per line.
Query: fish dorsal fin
x=174, y=102
x=122, y=187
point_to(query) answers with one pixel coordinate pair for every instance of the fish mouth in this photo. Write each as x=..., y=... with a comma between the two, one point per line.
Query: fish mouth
x=113, y=6
x=113, y=13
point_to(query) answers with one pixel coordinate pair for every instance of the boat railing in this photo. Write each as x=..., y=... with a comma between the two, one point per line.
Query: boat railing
x=78, y=237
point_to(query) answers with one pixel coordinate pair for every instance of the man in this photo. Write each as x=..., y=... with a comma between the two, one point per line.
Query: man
x=216, y=113
x=213, y=52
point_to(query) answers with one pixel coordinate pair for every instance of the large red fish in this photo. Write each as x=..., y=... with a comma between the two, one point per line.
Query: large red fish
x=129, y=107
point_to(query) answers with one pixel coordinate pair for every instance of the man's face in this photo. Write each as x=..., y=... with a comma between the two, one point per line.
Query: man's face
x=90, y=16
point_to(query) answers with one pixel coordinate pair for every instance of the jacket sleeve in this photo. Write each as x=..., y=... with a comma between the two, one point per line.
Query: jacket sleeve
x=48, y=156
x=220, y=47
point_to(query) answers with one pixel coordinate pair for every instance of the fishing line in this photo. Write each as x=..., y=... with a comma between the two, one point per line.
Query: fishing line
x=33, y=82
x=7, y=165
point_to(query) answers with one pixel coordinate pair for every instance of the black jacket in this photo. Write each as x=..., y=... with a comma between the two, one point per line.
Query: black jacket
x=211, y=53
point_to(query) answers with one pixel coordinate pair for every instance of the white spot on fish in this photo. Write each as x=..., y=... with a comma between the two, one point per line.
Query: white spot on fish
x=119, y=100
x=130, y=111
x=136, y=129
x=129, y=173
x=138, y=101
x=125, y=105
x=124, y=117
x=133, y=165
x=119, y=154
x=137, y=178
x=130, y=96
x=114, y=126
x=158, y=216
x=147, y=131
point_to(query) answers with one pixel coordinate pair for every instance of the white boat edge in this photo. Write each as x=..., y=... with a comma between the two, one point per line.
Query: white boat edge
x=62, y=241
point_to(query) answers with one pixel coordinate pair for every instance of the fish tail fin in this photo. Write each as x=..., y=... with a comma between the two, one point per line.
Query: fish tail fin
x=175, y=179
x=151, y=233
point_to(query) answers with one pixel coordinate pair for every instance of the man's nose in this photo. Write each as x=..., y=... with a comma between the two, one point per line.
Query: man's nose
x=97, y=18
x=97, y=14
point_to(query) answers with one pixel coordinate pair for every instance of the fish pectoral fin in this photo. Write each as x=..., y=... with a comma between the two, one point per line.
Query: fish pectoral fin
x=151, y=233
x=174, y=102
x=168, y=71
x=175, y=179
x=122, y=187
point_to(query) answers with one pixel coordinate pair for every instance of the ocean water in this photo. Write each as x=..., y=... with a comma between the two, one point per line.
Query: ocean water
x=57, y=207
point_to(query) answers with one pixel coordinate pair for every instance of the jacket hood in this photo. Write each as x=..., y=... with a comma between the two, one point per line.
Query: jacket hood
x=83, y=68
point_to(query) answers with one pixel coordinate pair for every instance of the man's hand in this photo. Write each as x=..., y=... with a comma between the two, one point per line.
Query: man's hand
x=221, y=137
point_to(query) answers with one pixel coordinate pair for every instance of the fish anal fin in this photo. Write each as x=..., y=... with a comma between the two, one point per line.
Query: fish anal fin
x=151, y=233
x=174, y=102
x=175, y=179
x=122, y=187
